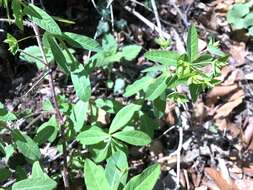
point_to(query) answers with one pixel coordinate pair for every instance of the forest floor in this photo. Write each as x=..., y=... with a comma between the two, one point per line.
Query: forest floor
x=217, y=137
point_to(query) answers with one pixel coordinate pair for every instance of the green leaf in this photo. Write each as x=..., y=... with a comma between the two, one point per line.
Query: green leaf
x=164, y=57
x=213, y=48
x=57, y=53
x=248, y=20
x=47, y=131
x=4, y=174
x=81, y=82
x=32, y=54
x=157, y=87
x=81, y=41
x=100, y=151
x=236, y=13
x=251, y=30
x=13, y=43
x=38, y=181
x=91, y=136
x=148, y=125
x=35, y=184
x=195, y=90
x=9, y=151
x=109, y=44
x=95, y=176
x=2, y=150
x=117, y=145
x=26, y=145
x=159, y=106
x=5, y=115
x=123, y=117
x=133, y=137
x=192, y=44
x=104, y=58
x=146, y=180
x=109, y=105
x=116, y=170
x=137, y=86
x=17, y=13
x=79, y=114
x=44, y=20
x=36, y=170
x=130, y=52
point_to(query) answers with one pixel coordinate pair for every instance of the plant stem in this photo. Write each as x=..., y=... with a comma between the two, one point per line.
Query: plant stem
x=59, y=116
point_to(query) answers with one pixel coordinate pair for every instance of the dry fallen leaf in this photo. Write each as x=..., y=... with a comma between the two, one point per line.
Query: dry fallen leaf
x=236, y=95
x=238, y=52
x=219, y=180
x=227, y=108
x=219, y=91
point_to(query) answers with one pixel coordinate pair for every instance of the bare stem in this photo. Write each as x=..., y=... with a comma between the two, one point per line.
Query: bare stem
x=179, y=148
x=159, y=26
x=12, y=21
x=59, y=116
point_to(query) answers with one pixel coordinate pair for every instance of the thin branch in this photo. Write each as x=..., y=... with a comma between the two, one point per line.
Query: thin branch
x=179, y=148
x=59, y=116
x=141, y=4
x=183, y=16
x=12, y=21
x=158, y=22
x=147, y=22
x=36, y=83
x=112, y=18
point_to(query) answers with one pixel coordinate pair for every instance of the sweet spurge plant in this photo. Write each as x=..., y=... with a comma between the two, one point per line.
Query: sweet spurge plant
x=106, y=166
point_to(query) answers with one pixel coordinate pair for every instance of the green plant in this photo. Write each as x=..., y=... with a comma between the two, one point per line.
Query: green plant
x=241, y=17
x=110, y=53
x=174, y=69
x=68, y=122
x=114, y=176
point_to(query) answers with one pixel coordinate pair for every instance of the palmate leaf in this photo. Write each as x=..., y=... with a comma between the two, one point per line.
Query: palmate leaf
x=192, y=44
x=57, y=53
x=37, y=58
x=42, y=19
x=79, y=114
x=138, y=85
x=47, y=131
x=81, y=82
x=81, y=41
x=146, y=180
x=38, y=181
x=130, y=52
x=5, y=115
x=91, y=136
x=133, y=137
x=95, y=176
x=164, y=57
x=100, y=151
x=123, y=117
x=157, y=87
x=26, y=145
x=116, y=169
